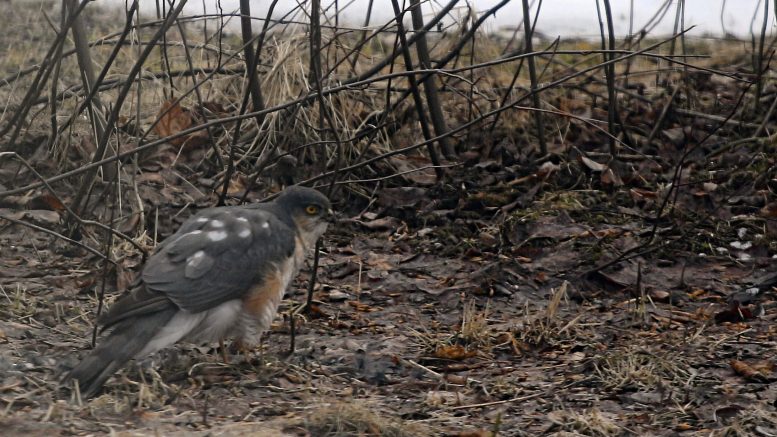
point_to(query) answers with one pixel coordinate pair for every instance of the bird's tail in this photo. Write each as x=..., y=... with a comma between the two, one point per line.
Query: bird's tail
x=127, y=339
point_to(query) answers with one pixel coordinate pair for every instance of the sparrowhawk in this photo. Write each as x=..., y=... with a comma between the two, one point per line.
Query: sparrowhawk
x=221, y=275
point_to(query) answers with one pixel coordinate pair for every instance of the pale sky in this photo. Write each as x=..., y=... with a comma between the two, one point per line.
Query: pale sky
x=557, y=18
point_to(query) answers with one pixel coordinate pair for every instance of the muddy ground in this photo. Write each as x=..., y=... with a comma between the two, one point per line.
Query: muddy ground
x=453, y=327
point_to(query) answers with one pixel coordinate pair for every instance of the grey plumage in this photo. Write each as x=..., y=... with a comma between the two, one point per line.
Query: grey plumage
x=243, y=261
x=126, y=340
x=202, y=282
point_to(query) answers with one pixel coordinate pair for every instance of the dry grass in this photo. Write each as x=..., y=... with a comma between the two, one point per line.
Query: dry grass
x=592, y=423
x=474, y=324
x=543, y=327
x=474, y=336
x=639, y=369
x=747, y=422
x=285, y=77
x=349, y=419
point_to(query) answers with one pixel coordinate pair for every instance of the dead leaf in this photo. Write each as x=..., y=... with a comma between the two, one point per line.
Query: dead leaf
x=453, y=352
x=727, y=412
x=456, y=379
x=46, y=201
x=697, y=292
x=173, y=119
x=591, y=164
x=675, y=135
x=547, y=169
x=757, y=372
x=770, y=210
x=40, y=217
x=154, y=177
x=609, y=177
x=215, y=108
x=660, y=295
x=734, y=313
x=381, y=224
x=362, y=307
x=709, y=186
x=417, y=172
x=237, y=185
x=641, y=194
x=379, y=261
x=440, y=398
x=600, y=233
x=402, y=197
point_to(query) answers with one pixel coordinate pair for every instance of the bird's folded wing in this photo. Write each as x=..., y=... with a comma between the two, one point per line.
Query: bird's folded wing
x=216, y=256
x=138, y=302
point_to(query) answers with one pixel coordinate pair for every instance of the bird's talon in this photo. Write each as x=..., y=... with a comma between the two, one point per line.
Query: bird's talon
x=223, y=350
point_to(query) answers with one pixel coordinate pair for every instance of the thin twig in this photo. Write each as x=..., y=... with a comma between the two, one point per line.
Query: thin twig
x=528, y=34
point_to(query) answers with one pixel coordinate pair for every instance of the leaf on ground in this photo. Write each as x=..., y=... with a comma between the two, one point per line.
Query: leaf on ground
x=547, y=169
x=675, y=135
x=126, y=271
x=46, y=201
x=417, y=171
x=382, y=224
x=757, y=372
x=558, y=227
x=640, y=194
x=381, y=261
x=40, y=217
x=399, y=197
x=733, y=313
x=453, y=352
x=591, y=164
x=214, y=108
x=362, y=307
x=770, y=210
x=173, y=119
x=611, y=178
x=237, y=185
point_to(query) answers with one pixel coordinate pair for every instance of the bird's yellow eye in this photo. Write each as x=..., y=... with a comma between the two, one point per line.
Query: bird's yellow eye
x=312, y=209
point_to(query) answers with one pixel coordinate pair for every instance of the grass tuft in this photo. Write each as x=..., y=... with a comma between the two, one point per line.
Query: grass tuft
x=349, y=419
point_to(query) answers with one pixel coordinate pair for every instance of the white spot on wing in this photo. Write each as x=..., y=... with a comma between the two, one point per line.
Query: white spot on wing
x=242, y=219
x=244, y=233
x=197, y=232
x=195, y=260
x=202, y=220
x=217, y=235
x=216, y=224
x=266, y=225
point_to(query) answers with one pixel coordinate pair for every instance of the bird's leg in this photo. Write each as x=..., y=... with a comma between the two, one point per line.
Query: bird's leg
x=293, y=319
x=243, y=348
x=236, y=348
x=239, y=347
x=312, y=283
x=223, y=351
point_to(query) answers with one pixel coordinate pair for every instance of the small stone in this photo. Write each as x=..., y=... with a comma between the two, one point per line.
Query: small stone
x=337, y=295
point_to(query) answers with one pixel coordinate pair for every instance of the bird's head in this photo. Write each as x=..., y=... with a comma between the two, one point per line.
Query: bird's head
x=310, y=210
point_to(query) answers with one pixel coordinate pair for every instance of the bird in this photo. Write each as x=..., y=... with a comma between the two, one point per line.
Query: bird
x=222, y=275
